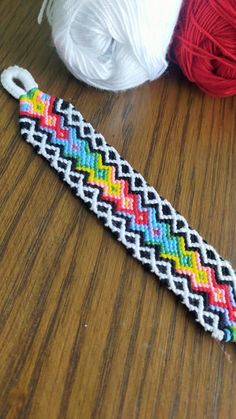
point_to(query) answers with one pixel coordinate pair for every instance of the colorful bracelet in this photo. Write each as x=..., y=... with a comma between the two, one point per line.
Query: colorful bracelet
x=148, y=226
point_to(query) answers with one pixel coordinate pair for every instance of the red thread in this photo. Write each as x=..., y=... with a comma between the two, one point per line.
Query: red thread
x=204, y=45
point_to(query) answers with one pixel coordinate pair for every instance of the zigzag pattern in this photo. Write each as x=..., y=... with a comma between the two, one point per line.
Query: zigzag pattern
x=144, y=222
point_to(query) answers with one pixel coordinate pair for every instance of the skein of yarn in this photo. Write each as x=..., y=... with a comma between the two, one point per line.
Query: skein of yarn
x=113, y=44
x=204, y=45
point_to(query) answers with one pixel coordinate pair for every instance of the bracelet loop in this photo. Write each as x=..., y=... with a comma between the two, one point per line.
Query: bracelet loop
x=11, y=75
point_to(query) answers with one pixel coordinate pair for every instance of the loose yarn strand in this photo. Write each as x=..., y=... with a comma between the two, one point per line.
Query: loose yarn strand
x=47, y=7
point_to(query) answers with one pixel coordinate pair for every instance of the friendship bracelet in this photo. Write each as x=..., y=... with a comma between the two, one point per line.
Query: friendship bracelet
x=148, y=226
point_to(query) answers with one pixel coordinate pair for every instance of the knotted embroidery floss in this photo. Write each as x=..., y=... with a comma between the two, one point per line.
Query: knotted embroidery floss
x=147, y=225
x=113, y=44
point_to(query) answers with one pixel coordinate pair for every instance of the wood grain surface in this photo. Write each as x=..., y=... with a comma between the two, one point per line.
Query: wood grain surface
x=85, y=331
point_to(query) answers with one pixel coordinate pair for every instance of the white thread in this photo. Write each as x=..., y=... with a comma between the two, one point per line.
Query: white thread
x=13, y=74
x=113, y=44
x=48, y=7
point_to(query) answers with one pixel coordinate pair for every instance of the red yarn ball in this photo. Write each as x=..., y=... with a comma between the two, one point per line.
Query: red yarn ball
x=204, y=45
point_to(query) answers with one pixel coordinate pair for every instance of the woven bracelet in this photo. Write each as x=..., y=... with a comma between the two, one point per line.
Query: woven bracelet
x=148, y=226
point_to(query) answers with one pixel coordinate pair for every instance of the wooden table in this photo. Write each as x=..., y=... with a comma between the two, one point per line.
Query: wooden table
x=85, y=331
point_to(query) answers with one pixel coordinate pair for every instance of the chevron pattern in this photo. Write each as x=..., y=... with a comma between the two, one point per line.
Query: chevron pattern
x=145, y=223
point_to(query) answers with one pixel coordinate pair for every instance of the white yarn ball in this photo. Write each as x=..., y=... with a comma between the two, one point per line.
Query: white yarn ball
x=113, y=44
